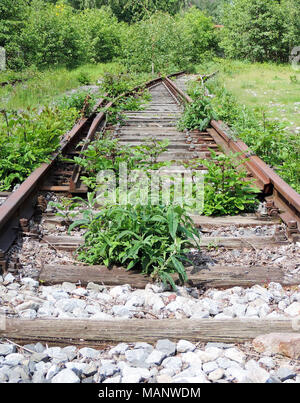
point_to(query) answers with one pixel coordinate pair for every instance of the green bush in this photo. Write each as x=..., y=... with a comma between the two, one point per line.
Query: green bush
x=260, y=30
x=199, y=113
x=153, y=239
x=267, y=138
x=27, y=139
x=132, y=10
x=82, y=101
x=99, y=34
x=155, y=44
x=13, y=17
x=200, y=34
x=227, y=190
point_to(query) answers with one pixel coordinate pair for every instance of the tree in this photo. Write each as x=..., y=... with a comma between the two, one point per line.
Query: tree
x=210, y=7
x=255, y=30
x=132, y=10
x=156, y=44
x=51, y=36
x=200, y=34
x=13, y=14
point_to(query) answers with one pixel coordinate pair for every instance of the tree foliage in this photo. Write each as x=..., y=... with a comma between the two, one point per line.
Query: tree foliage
x=165, y=43
x=132, y=10
x=261, y=30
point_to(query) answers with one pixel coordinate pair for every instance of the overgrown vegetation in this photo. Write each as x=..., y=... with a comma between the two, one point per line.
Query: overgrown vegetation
x=28, y=138
x=199, y=113
x=261, y=30
x=106, y=153
x=265, y=136
x=227, y=190
x=43, y=34
x=153, y=239
x=54, y=46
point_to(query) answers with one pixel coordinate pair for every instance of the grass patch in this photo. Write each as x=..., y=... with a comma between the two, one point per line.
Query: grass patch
x=41, y=88
x=266, y=87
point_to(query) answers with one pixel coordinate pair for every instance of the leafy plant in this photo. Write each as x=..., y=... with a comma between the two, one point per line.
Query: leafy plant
x=227, y=190
x=28, y=138
x=66, y=208
x=151, y=239
x=82, y=101
x=198, y=114
x=84, y=78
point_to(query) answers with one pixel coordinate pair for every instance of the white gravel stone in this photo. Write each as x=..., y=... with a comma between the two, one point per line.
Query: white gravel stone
x=237, y=373
x=267, y=362
x=80, y=292
x=119, y=349
x=27, y=305
x=200, y=314
x=225, y=363
x=87, y=352
x=216, y=374
x=166, y=346
x=101, y=316
x=8, y=279
x=6, y=349
x=28, y=314
x=66, y=376
x=191, y=358
x=122, y=311
x=183, y=346
x=252, y=312
x=209, y=367
x=174, y=363
x=255, y=373
x=136, y=357
x=293, y=309
x=53, y=370
x=199, y=378
x=223, y=316
x=14, y=359
x=210, y=354
x=235, y=355
x=156, y=357
x=134, y=375
x=29, y=282
x=113, y=379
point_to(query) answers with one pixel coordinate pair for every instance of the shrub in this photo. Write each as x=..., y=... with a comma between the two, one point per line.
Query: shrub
x=99, y=34
x=82, y=101
x=155, y=44
x=257, y=30
x=151, y=239
x=50, y=36
x=200, y=34
x=27, y=139
x=227, y=190
x=198, y=114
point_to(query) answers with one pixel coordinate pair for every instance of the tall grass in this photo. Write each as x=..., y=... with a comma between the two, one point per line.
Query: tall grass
x=41, y=88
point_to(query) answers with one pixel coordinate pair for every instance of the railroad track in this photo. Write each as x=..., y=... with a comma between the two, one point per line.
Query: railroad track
x=157, y=121
x=223, y=238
